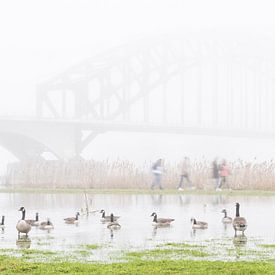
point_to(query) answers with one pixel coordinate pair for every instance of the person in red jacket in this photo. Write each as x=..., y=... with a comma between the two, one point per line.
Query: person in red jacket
x=224, y=172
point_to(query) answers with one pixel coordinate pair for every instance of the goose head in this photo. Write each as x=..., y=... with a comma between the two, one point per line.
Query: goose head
x=193, y=221
x=223, y=211
x=22, y=208
x=153, y=214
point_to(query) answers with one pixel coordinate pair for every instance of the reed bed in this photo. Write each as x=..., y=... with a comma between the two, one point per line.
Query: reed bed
x=126, y=174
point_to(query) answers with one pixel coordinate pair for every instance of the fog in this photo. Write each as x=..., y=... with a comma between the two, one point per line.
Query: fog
x=40, y=39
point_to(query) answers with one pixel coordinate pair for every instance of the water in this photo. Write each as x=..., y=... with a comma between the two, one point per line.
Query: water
x=137, y=232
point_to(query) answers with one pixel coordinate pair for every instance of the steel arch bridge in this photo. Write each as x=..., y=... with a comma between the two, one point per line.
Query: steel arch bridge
x=169, y=84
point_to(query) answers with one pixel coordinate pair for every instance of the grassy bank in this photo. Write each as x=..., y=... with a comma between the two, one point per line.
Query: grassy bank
x=9, y=265
x=138, y=191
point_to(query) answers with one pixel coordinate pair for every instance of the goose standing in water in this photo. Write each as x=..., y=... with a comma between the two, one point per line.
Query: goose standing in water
x=113, y=224
x=239, y=223
x=107, y=218
x=48, y=225
x=22, y=226
x=34, y=222
x=198, y=224
x=226, y=219
x=72, y=220
x=2, y=224
x=160, y=221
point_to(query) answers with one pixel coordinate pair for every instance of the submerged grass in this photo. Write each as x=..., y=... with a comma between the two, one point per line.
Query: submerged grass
x=267, y=245
x=9, y=265
x=181, y=245
x=160, y=253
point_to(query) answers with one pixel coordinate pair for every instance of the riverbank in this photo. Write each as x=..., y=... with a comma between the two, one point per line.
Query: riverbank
x=11, y=265
x=113, y=191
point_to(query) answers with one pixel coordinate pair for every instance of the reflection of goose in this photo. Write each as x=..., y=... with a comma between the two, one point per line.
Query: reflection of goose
x=113, y=224
x=2, y=224
x=198, y=224
x=23, y=242
x=107, y=218
x=240, y=240
x=22, y=226
x=239, y=223
x=34, y=222
x=160, y=221
x=226, y=219
x=72, y=220
x=48, y=225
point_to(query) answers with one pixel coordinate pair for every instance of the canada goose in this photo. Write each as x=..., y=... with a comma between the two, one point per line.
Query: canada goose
x=107, y=218
x=226, y=219
x=113, y=224
x=22, y=226
x=2, y=224
x=160, y=221
x=34, y=222
x=239, y=223
x=46, y=225
x=72, y=219
x=198, y=224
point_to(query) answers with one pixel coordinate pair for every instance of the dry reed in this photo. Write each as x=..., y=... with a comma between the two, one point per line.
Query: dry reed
x=125, y=174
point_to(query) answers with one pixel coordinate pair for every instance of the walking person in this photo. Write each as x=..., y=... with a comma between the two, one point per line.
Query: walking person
x=224, y=172
x=185, y=172
x=216, y=174
x=157, y=170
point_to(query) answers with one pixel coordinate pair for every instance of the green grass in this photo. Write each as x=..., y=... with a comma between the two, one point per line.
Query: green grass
x=138, y=191
x=10, y=265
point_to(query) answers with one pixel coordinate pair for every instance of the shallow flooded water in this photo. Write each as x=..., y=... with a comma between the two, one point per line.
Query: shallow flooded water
x=137, y=232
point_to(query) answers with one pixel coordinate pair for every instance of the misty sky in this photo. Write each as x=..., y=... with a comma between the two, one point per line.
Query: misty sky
x=42, y=38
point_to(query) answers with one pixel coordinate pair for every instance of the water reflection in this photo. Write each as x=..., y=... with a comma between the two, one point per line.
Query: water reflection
x=156, y=199
x=154, y=231
x=23, y=242
x=239, y=241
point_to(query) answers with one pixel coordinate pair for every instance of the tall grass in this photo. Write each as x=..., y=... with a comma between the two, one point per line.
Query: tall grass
x=125, y=174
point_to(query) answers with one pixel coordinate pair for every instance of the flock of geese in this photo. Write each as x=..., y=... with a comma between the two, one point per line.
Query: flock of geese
x=24, y=226
x=239, y=223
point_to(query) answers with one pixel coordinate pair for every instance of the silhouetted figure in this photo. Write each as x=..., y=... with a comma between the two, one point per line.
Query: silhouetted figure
x=216, y=174
x=185, y=172
x=224, y=172
x=157, y=170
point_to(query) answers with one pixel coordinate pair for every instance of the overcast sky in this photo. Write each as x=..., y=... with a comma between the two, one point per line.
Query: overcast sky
x=42, y=38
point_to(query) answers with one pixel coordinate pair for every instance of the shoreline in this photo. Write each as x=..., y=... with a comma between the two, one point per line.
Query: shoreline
x=117, y=191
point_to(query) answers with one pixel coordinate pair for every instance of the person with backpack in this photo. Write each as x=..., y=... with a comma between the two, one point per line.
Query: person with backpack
x=157, y=170
x=185, y=173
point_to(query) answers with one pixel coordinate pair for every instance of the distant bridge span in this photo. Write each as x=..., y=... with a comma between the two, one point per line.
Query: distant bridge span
x=29, y=138
x=205, y=86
